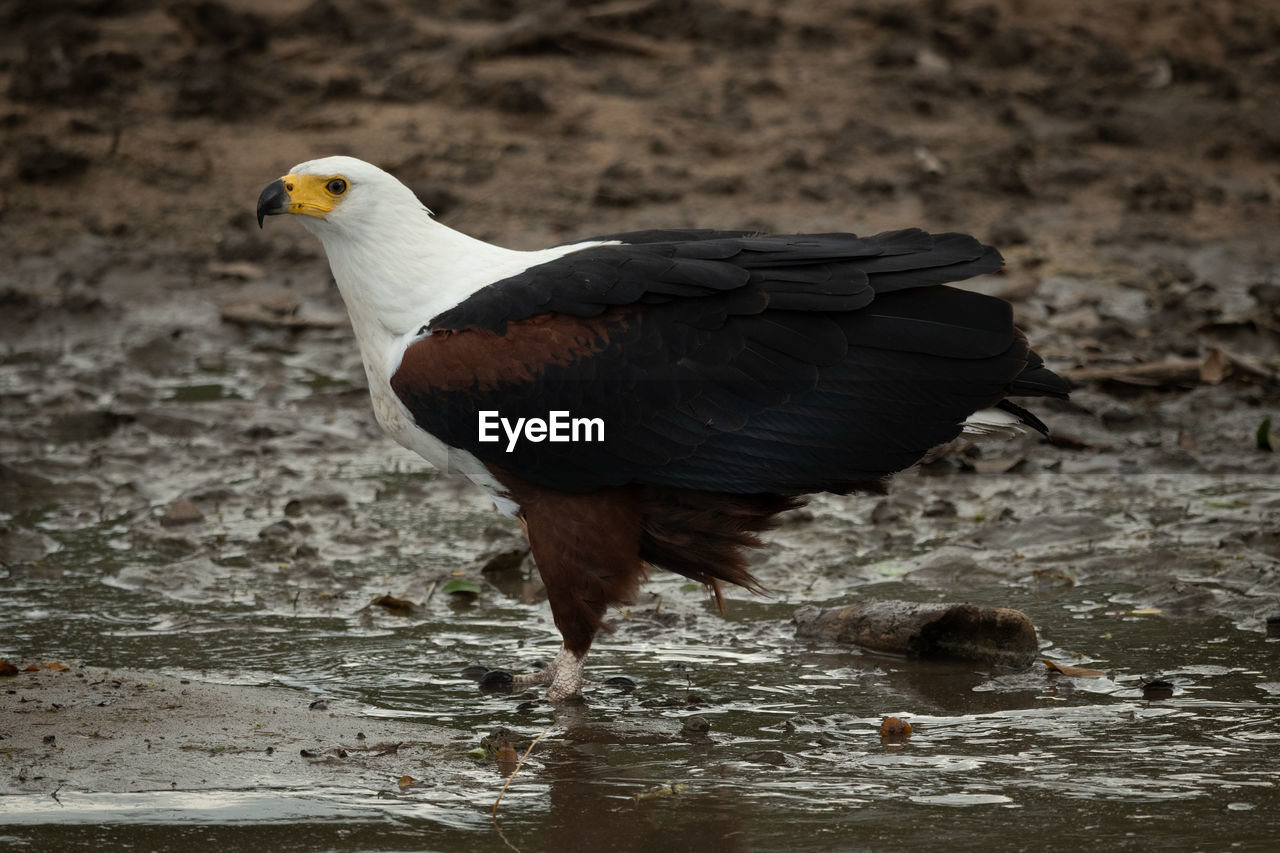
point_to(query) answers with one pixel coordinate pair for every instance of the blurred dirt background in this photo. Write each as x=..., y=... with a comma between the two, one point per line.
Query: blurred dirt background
x=1124, y=156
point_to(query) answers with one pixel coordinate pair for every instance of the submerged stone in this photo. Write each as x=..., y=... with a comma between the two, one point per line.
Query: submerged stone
x=990, y=635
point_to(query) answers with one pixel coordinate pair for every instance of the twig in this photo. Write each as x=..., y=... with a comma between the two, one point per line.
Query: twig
x=517, y=770
x=503, y=835
x=620, y=42
x=1212, y=369
x=1156, y=373
x=558, y=21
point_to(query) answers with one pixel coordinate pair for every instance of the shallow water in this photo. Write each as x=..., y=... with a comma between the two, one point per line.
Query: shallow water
x=793, y=759
x=1134, y=558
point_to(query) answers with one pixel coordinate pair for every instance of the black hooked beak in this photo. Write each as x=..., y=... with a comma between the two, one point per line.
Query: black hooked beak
x=273, y=200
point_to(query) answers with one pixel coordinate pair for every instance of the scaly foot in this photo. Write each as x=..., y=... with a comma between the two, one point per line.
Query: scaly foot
x=563, y=676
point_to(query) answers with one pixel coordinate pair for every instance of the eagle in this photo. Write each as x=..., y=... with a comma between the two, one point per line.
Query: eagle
x=719, y=377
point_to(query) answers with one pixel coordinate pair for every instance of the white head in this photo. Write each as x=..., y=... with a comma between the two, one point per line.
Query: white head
x=395, y=265
x=338, y=195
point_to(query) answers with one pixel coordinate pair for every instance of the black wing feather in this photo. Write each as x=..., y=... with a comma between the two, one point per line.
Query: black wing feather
x=738, y=362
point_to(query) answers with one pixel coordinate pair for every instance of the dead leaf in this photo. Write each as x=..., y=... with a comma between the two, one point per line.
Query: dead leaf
x=1216, y=367
x=508, y=758
x=56, y=667
x=242, y=270
x=1073, y=671
x=406, y=781
x=894, y=730
x=7, y=669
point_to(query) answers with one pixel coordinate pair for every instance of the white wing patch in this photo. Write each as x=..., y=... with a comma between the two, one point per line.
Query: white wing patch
x=993, y=422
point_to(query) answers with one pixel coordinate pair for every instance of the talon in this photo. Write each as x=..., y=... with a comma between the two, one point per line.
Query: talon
x=621, y=682
x=475, y=672
x=496, y=679
x=531, y=678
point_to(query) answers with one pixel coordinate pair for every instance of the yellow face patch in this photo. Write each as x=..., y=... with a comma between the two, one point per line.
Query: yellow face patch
x=314, y=195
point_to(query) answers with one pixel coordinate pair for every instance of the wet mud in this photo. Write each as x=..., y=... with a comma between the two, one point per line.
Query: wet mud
x=193, y=489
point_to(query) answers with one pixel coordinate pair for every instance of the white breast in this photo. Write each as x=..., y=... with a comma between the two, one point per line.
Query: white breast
x=397, y=421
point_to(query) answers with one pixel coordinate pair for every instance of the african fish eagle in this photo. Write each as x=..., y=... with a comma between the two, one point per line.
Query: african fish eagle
x=732, y=372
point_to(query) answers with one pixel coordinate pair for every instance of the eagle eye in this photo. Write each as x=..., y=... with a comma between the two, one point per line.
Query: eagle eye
x=337, y=186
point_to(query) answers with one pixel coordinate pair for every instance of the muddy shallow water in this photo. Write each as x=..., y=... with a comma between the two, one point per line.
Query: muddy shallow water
x=197, y=510
x=791, y=756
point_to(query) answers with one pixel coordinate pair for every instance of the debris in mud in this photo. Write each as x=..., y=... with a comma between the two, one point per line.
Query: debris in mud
x=989, y=635
x=23, y=547
x=395, y=606
x=1072, y=671
x=670, y=789
x=462, y=588
x=284, y=312
x=771, y=757
x=498, y=741
x=1171, y=373
x=695, y=728
x=504, y=560
x=508, y=758
x=240, y=270
x=894, y=730
x=179, y=512
x=8, y=669
x=86, y=426
x=689, y=702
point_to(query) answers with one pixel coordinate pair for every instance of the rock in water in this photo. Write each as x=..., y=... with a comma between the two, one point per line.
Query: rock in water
x=989, y=635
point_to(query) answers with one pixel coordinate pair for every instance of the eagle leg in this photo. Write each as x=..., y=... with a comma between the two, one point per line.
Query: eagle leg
x=587, y=549
x=563, y=676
